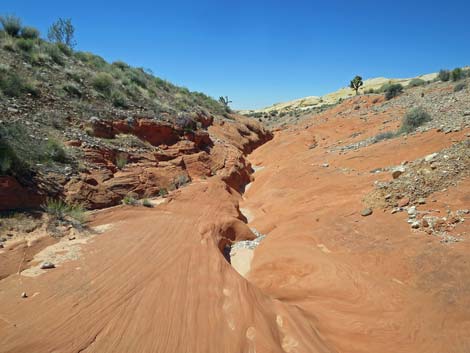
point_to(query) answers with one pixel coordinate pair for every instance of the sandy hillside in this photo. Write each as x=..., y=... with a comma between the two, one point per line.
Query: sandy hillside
x=310, y=102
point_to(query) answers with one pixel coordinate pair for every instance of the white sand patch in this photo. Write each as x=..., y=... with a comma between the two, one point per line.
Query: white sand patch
x=241, y=260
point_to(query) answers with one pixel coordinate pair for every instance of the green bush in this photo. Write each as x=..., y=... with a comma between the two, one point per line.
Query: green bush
x=25, y=44
x=393, y=90
x=72, y=90
x=29, y=33
x=13, y=85
x=66, y=50
x=103, y=82
x=456, y=74
x=413, y=119
x=163, y=192
x=62, y=31
x=119, y=101
x=11, y=25
x=416, y=82
x=138, y=77
x=121, y=65
x=91, y=59
x=56, y=151
x=7, y=158
x=182, y=180
x=444, y=75
x=56, y=208
x=121, y=160
x=61, y=210
x=147, y=203
x=17, y=154
x=38, y=58
x=55, y=54
x=77, y=212
x=129, y=200
x=9, y=44
x=459, y=87
x=384, y=136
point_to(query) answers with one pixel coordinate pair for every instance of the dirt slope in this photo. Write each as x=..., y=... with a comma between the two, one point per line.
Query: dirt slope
x=374, y=284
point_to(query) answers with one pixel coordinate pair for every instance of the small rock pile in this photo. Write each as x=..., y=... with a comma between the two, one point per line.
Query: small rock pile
x=418, y=179
x=435, y=225
x=249, y=244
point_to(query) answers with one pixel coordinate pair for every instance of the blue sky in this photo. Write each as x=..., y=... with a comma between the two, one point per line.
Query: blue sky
x=262, y=52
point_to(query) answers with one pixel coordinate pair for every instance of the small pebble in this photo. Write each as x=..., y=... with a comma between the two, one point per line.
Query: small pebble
x=47, y=265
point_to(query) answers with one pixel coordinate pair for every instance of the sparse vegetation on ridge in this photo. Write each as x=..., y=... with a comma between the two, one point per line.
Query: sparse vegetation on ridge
x=356, y=83
x=413, y=119
x=392, y=90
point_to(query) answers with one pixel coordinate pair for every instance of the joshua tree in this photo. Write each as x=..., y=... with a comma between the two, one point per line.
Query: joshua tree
x=356, y=83
x=225, y=101
x=62, y=31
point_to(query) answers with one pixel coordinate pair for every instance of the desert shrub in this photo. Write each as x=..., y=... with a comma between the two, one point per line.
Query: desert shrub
x=147, y=203
x=121, y=65
x=129, y=200
x=25, y=44
x=72, y=90
x=29, y=33
x=121, y=160
x=181, y=180
x=393, y=90
x=456, y=74
x=185, y=122
x=74, y=75
x=369, y=91
x=55, y=54
x=62, y=31
x=119, y=100
x=416, y=82
x=61, y=210
x=9, y=44
x=413, y=119
x=7, y=158
x=163, y=192
x=103, y=82
x=91, y=59
x=444, y=75
x=384, y=136
x=15, y=157
x=38, y=58
x=13, y=85
x=24, y=151
x=459, y=87
x=56, y=152
x=77, y=212
x=138, y=77
x=11, y=24
x=56, y=208
x=66, y=50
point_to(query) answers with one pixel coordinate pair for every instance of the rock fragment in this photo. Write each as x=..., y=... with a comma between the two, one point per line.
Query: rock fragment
x=47, y=265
